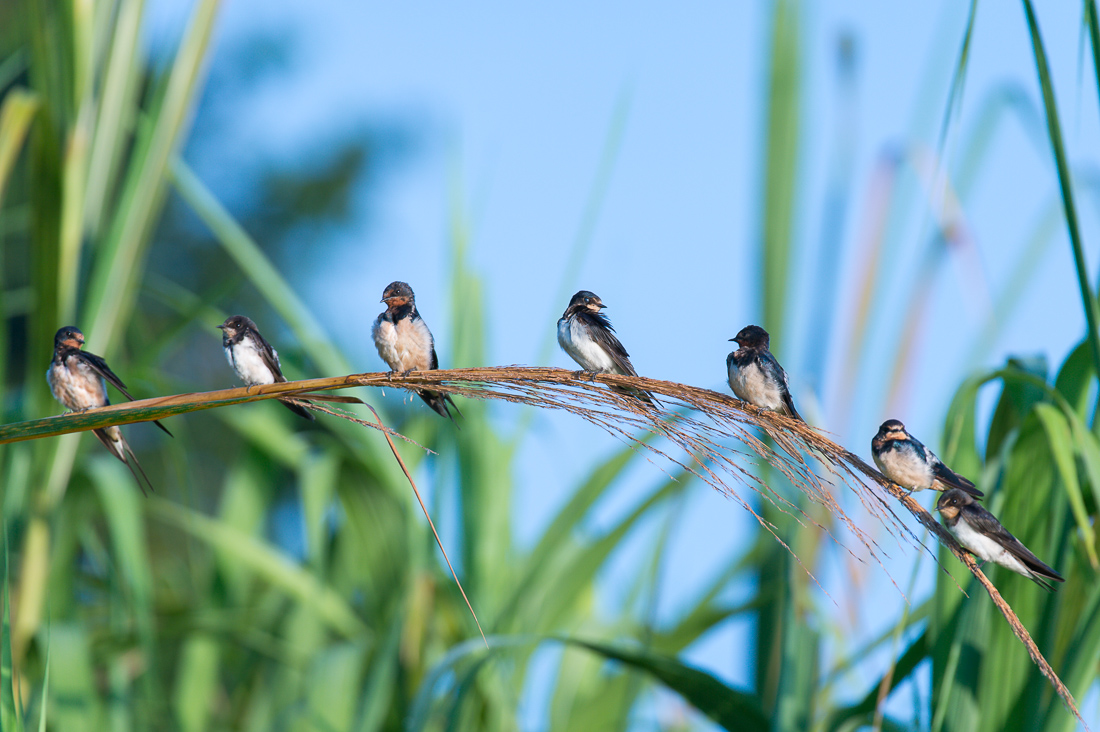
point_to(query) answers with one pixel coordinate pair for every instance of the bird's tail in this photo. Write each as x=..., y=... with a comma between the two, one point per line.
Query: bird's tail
x=441, y=403
x=972, y=490
x=121, y=450
x=641, y=395
x=789, y=410
x=1044, y=580
x=299, y=410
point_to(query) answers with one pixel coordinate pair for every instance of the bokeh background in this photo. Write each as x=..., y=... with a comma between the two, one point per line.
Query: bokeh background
x=876, y=185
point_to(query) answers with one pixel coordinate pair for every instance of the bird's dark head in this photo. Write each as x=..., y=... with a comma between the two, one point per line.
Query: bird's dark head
x=587, y=300
x=235, y=324
x=69, y=337
x=397, y=294
x=752, y=336
x=892, y=429
x=952, y=502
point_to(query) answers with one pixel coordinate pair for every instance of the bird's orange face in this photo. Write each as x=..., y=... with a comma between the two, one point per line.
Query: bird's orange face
x=396, y=301
x=73, y=339
x=948, y=505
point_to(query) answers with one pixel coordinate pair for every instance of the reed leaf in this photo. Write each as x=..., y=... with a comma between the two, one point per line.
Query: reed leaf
x=16, y=114
x=733, y=709
x=1065, y=183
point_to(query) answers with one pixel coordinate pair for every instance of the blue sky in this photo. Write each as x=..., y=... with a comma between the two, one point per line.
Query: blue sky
x=513, y=105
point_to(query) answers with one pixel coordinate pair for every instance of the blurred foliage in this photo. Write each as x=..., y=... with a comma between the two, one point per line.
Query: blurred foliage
x=283, y=578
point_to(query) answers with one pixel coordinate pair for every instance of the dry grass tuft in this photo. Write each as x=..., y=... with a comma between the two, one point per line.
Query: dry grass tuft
x=701, y=422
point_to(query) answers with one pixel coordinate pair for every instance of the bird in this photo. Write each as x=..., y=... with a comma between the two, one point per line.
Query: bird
x=253, y=358
x=586, y=335
x=406, y=345
x=904, y=460
x=755, y=376
x=78, y=380
x=981, y=534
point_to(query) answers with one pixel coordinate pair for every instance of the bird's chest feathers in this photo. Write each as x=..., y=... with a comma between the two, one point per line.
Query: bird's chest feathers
x=751, y=383
x=248, y=362
x=76, y=384
x=902, y=465
x=574, y=339
x=404, y=345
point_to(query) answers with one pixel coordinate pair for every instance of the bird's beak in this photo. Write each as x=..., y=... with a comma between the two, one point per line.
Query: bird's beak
x=383, y=300
x=222, y=326
x=734, y=340
x=602, y=306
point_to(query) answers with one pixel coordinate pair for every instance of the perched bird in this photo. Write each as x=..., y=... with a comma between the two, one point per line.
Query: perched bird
x=904, y=460
x=253, y=358
x=405, y=343
x=587, y=336
x=755, y=376
x=78, y=380
x=981, y=534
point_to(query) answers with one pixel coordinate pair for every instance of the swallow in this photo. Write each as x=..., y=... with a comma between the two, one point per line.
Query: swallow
x=405, y=343
x=981, y=534
x=755, y=376
x=78, y=380
x=253, y=358
x=904, y=460
x=586, y=335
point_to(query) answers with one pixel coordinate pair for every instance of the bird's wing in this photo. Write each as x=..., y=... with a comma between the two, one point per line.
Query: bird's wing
x=602, y=332
x=435, y=358
x=100, y=367
x=983, y=521
x=780, y=376
x=949, y=477
x=269, y=356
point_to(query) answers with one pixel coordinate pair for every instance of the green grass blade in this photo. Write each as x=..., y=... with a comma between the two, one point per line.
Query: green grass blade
x=117, y=108
x=16, y=115
x=45, y=687
x=1079, y=667
x=780, y=164
x=112, y=289
x=196, y=682
x=548, y=604
x=1061, y=448
x=1092, y=23
x=259, y=270
x=915, y=654
x=958, y=79
x=589, y=218
x=334, y=682
x=76, y=705
x=9, y=712
x=267, y=562
x=733, y=709
x=1054, y=129
x=557, y=536
x=380, y=680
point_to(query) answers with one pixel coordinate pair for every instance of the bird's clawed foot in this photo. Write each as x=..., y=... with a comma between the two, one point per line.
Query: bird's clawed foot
x=406, y=372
